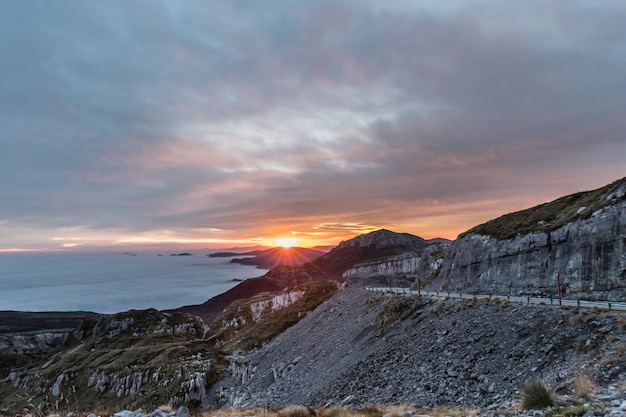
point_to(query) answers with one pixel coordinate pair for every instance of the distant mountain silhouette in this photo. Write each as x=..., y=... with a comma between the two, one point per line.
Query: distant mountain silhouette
x=274, y=257
x=375, y=245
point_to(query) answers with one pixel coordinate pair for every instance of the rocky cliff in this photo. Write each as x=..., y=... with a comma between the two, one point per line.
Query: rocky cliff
x=404, y=268
x=581, y=236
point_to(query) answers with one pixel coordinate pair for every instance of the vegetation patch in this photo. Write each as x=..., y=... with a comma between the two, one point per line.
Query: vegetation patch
x=583, y=385
x=370, y=412
x=569, y=411
x=397, y=309
x=295, y=411
x=144, y=357
x=536, y=396
x=553, y=215
x=334, y=411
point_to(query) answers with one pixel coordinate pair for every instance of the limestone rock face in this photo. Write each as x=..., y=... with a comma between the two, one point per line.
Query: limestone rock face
x=409, y=264
x=588, y=253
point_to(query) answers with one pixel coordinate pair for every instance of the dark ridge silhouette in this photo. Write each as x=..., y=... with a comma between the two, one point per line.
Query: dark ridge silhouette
x=211, y=308
x=329, y=266
x=274, y=257
x=24, y=321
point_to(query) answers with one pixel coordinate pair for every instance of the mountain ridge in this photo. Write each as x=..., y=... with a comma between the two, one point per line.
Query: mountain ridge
x=372, y=348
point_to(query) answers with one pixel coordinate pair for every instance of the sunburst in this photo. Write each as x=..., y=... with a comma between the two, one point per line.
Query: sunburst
x=286, y=242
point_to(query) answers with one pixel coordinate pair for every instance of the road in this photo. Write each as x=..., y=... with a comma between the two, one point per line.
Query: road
x=605, y=305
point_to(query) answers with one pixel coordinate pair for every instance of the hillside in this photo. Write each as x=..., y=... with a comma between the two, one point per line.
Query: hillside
x=132, y=359
x=273, y=257
x=361, y=348
x=582, y=237
x=553, y=215
x=143, y=358
x=312, y=334
x=378, y=245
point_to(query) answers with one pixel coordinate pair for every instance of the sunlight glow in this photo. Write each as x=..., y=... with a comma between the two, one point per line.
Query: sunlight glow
x=286, y=242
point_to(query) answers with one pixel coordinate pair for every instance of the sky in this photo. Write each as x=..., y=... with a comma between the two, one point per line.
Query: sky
x=217, y=124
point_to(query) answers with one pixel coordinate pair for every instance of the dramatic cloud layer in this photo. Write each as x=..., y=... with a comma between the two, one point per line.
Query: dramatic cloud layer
x=233, y=122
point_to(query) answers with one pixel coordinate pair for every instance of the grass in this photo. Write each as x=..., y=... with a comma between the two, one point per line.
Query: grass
x=536, y=396
x=146, y=347
x=583, y=385
x=576, y=319
x=334, y=411
x=549, y=216
x=569, y=411
x=396, y=309
x=295, y=411
x=370, y=411
x=453, y=412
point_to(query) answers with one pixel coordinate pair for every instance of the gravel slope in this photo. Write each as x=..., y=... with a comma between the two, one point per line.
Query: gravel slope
x=460, y=353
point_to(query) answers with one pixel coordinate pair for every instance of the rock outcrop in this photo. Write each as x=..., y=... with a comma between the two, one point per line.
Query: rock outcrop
x=134, y=358
x=405, y=267
x=582, y=237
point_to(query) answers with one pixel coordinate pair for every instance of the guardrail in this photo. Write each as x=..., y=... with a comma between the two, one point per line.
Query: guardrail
x=605, y=305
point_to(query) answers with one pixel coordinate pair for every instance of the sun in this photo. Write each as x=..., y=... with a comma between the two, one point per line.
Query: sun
x=286, y=242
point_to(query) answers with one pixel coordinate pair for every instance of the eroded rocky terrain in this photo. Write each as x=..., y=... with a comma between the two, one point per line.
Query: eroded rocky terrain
x=361, y=348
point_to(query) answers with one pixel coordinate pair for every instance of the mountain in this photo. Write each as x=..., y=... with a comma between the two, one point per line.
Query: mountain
x=582, y=237
x=143, y=358
x=313, y=334
x=20, y=321
x=274, y=257
x=136, y=358
x=378, y=245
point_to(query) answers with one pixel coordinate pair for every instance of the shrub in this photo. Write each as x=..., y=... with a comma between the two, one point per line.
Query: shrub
x=295, y=411
x=536, y=396
x=583, y=386
x=574, y=411
x=334, y=411
x=569, y=411
x=370, y=412
x=397, y=309
x=576, y=319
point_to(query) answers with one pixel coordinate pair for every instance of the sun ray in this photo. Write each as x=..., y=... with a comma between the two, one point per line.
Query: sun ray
x=286, y=242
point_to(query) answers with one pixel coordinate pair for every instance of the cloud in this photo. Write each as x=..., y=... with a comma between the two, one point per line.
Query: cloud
x=127, y=119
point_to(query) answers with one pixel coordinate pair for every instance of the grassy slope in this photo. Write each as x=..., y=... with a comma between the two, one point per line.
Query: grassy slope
x=552, y=215
x=150, y=344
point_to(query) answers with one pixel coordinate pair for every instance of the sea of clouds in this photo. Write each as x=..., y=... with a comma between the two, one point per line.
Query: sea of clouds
x=113, y=282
